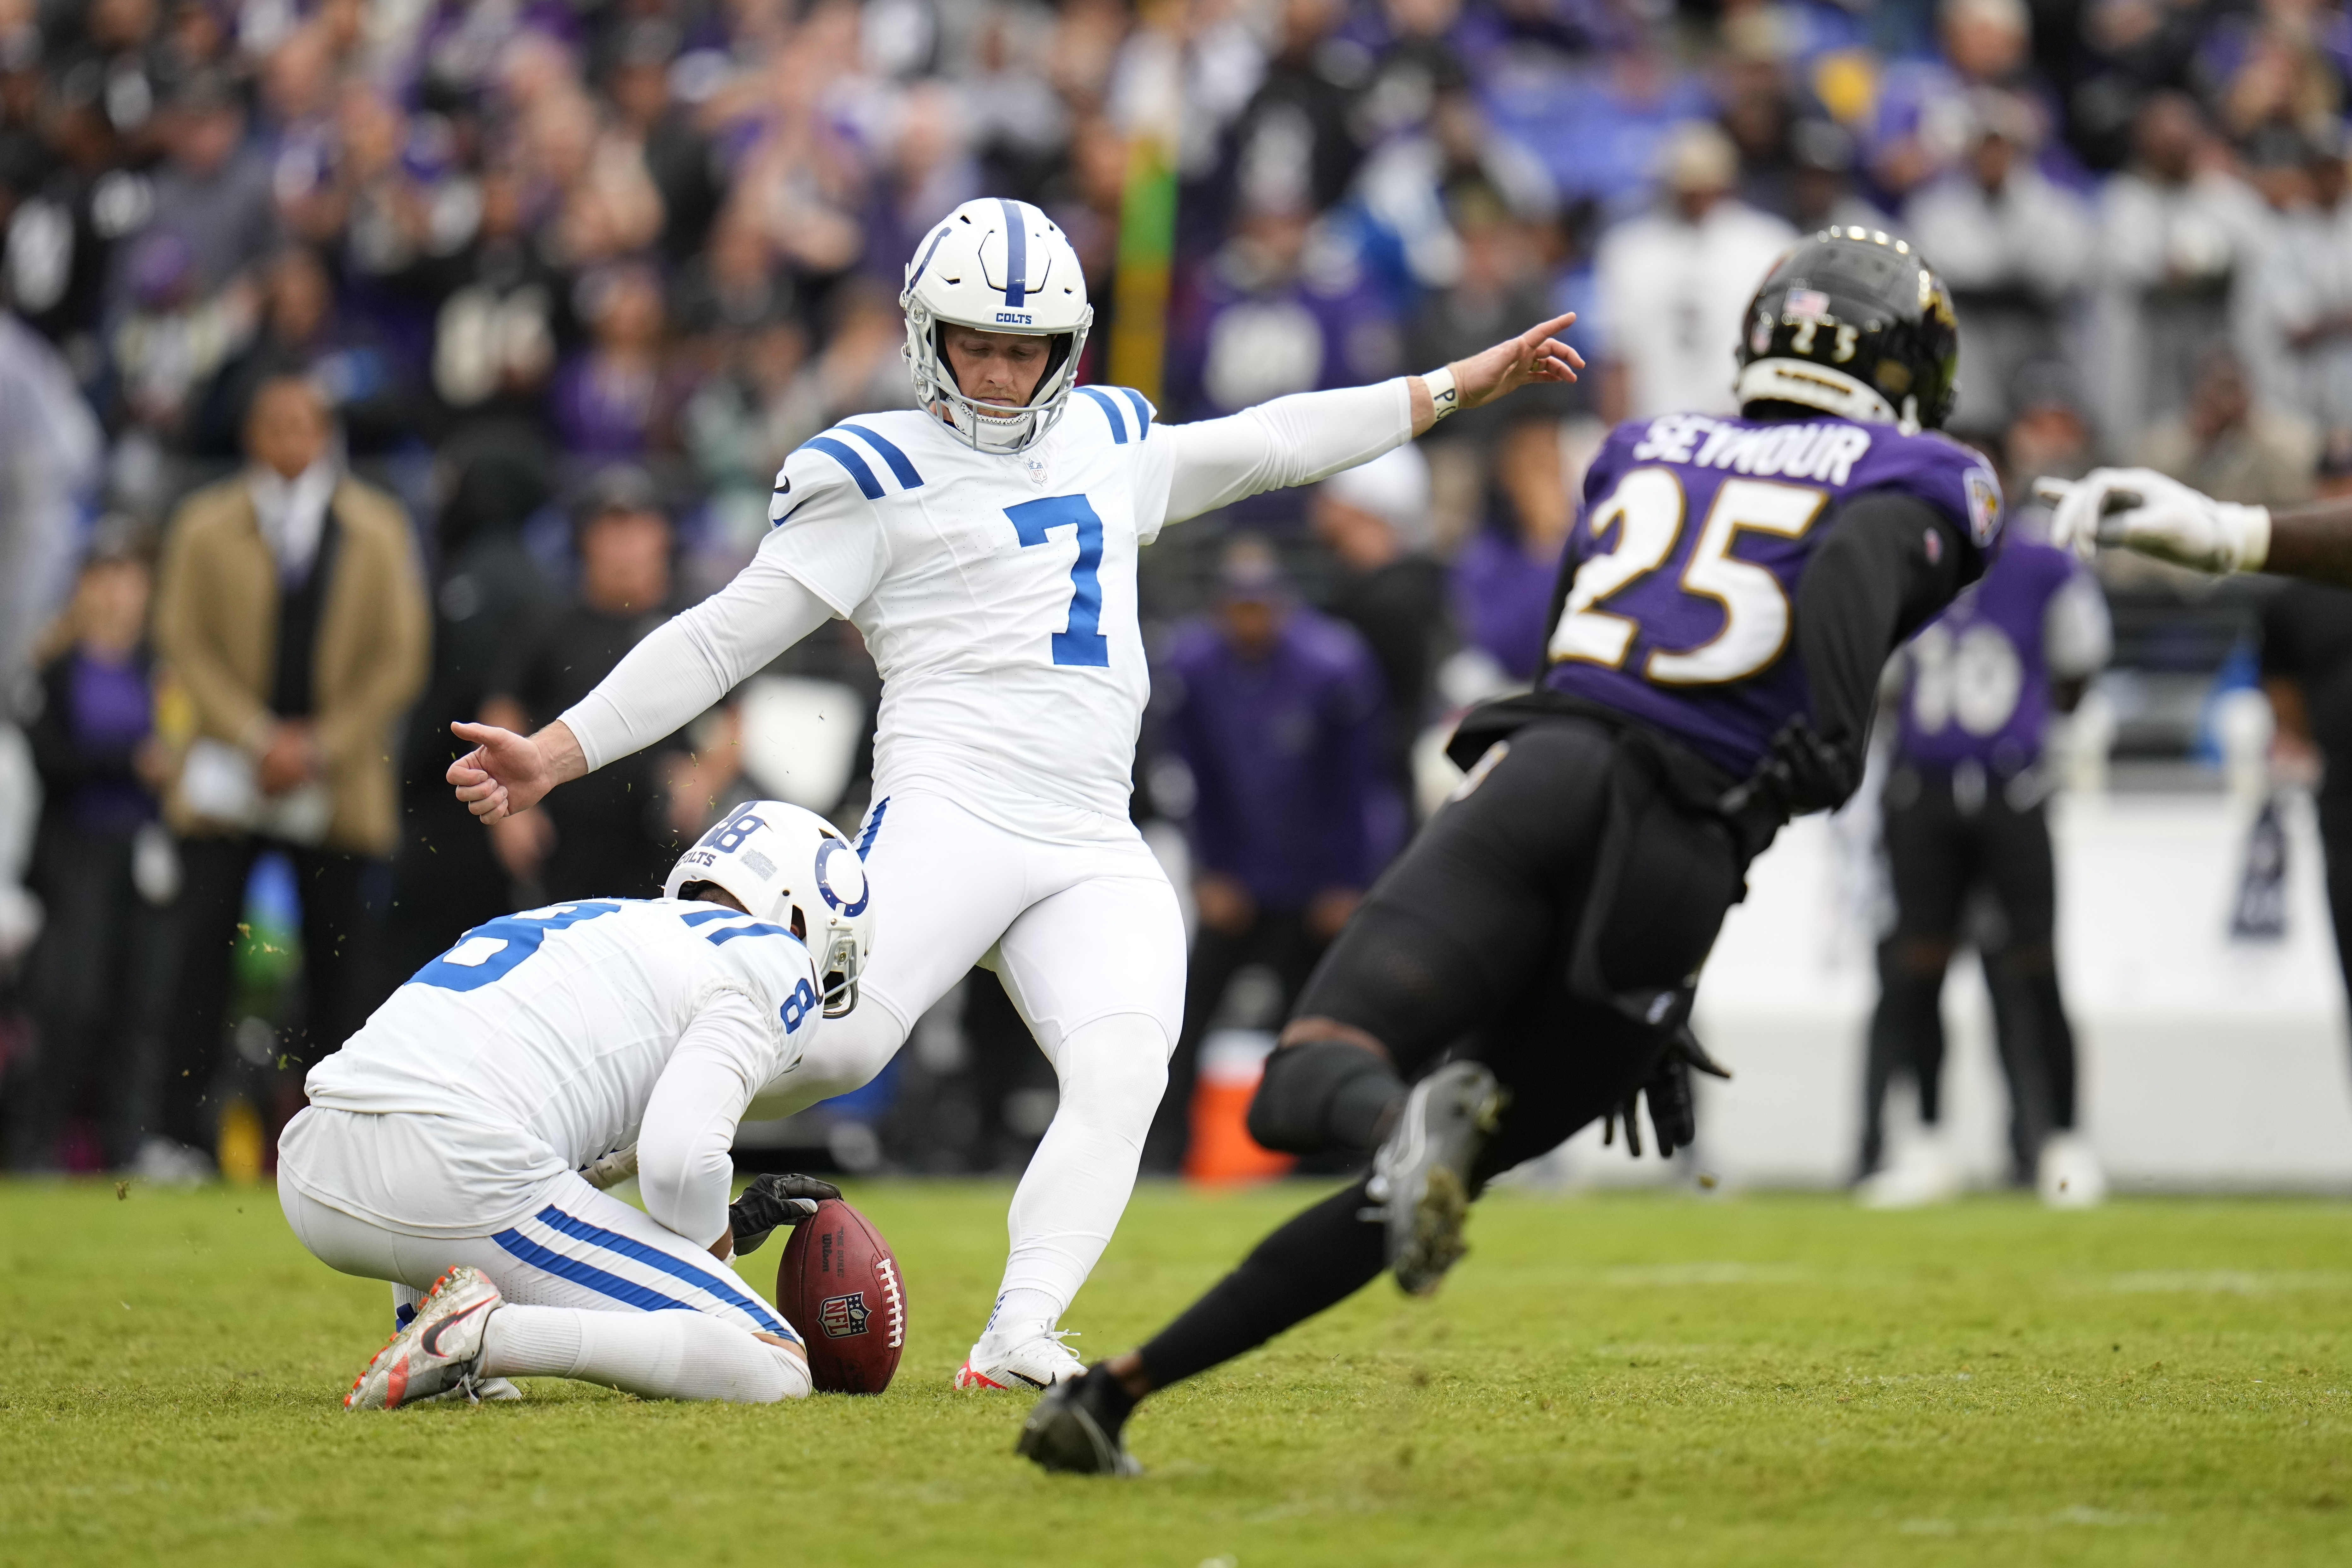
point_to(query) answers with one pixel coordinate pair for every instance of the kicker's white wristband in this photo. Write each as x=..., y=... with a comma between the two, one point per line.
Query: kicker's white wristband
x=1444, y=397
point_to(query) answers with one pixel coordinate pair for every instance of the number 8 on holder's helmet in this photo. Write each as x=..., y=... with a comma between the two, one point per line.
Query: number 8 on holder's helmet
x=792, y=868
x=996, y=266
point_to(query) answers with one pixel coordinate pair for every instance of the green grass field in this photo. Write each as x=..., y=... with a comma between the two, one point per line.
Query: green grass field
x=1607, y=1380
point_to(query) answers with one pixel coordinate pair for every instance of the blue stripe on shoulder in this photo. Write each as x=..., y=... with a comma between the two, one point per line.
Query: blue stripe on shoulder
x=731, y=932
x=904, y=471
x=704, y=917
x=840, y=452
x=1142, y=409
x=1111, y=412
x=873, y=826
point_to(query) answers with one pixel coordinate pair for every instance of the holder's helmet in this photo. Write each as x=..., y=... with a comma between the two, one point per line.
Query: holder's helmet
x=996, y=266
x=792, y=868
x=1853, y=323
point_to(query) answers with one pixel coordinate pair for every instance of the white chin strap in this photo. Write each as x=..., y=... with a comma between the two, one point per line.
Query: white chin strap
x=985, y=425
x=1818, y=386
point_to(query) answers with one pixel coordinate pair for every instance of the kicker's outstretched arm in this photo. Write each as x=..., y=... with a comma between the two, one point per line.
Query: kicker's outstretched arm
x=678, y=671
x=1310, y=435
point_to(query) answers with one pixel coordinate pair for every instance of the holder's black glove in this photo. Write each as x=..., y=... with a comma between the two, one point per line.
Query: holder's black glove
x=1674, y=1104
x=773, y=1201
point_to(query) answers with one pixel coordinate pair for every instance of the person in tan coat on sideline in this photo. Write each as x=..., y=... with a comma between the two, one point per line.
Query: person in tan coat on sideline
x=291, y=608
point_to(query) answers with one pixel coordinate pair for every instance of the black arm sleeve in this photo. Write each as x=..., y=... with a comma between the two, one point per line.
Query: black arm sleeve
x=1889, y=563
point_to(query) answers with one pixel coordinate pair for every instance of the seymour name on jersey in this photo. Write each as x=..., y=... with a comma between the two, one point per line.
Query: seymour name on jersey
x=1685, y=563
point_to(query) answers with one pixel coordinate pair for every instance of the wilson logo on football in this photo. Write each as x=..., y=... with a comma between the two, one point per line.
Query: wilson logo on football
x=843, y=1316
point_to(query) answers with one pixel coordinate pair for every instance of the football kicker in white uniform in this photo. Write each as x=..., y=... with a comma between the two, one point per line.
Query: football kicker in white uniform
x=986, y=547
x=457, y=1144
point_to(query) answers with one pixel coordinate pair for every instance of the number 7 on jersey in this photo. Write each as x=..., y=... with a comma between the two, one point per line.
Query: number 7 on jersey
x=1083, y=643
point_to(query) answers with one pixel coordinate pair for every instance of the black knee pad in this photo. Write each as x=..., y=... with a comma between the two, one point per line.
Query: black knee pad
x=1321, y=1095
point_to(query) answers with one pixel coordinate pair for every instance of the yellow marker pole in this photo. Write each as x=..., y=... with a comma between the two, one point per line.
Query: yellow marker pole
x=1147, y=216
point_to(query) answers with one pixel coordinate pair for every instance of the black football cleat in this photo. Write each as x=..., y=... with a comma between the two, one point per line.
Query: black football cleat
x=1420, y=1176
x=1073, y=1430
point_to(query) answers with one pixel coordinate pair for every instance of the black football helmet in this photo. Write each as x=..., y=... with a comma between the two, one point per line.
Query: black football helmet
x=1854, y=323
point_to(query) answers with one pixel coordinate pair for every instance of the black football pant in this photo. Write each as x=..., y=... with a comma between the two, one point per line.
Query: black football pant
x=99, y=984
x=1465, y=948
x=343, y=897
x=1951, y=840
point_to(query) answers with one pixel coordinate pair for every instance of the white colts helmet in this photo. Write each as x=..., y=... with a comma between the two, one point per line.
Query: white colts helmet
x=996, y=266
x=792, y=868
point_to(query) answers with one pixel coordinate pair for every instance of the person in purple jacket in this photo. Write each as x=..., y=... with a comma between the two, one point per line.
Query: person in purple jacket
x=1964, y=813
x=1729, y=595
x=1277, y=713
x=106, y=874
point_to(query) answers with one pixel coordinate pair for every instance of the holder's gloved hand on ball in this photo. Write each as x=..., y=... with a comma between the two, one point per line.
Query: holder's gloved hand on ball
x=1674, y=1099
x=2141, y=509
x=772, y=1201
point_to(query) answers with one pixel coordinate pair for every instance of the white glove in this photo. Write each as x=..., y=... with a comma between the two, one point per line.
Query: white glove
x=2142, y=509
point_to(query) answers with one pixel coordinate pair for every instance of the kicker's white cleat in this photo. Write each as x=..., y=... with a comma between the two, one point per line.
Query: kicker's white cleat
x=438, y=1352
x=2069, y=1176
x=1041, y=1360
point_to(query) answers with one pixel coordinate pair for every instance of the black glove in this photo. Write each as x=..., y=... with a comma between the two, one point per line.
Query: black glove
x=1674, y=1105
x=773, y=1201
x=1800, y=772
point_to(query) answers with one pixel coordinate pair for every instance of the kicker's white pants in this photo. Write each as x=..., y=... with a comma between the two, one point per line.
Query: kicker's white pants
x=595, y=1290
x=1089, y=943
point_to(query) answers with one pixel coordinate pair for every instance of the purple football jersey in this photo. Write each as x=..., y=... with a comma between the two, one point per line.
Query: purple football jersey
x=1977, y=688
x=1694, y=533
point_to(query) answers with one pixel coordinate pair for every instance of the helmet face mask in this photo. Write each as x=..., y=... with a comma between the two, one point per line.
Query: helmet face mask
x=837, y=968
x=792, y=868
x=995, y=266
x=1855, y=323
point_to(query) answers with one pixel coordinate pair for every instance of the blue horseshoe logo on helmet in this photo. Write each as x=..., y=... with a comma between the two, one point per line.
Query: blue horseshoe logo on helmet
x=825, y=850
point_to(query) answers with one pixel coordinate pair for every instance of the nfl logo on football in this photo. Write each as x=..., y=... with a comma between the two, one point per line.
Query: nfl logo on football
x=842, y=1316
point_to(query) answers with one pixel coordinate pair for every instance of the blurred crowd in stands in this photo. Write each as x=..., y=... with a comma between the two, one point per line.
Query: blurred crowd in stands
x=458, y=341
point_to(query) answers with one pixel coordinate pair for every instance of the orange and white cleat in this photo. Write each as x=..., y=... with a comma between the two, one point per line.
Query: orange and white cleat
x=438, y=1352
x=1041, y=1360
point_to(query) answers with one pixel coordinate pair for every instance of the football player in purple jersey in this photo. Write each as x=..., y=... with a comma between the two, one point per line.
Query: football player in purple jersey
x=1727, y=598
x=1964, y=813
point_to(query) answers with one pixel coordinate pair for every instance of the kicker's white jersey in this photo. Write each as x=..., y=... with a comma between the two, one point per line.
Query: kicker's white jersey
x=996, y=593
x=534, y=1045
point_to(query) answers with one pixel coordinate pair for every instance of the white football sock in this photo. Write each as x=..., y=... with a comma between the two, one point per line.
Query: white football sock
x=656, y=1355
x=1022, y=1315
x=1113, y=1072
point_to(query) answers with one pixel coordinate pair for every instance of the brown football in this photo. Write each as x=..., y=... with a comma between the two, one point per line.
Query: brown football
x=839, y=1285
